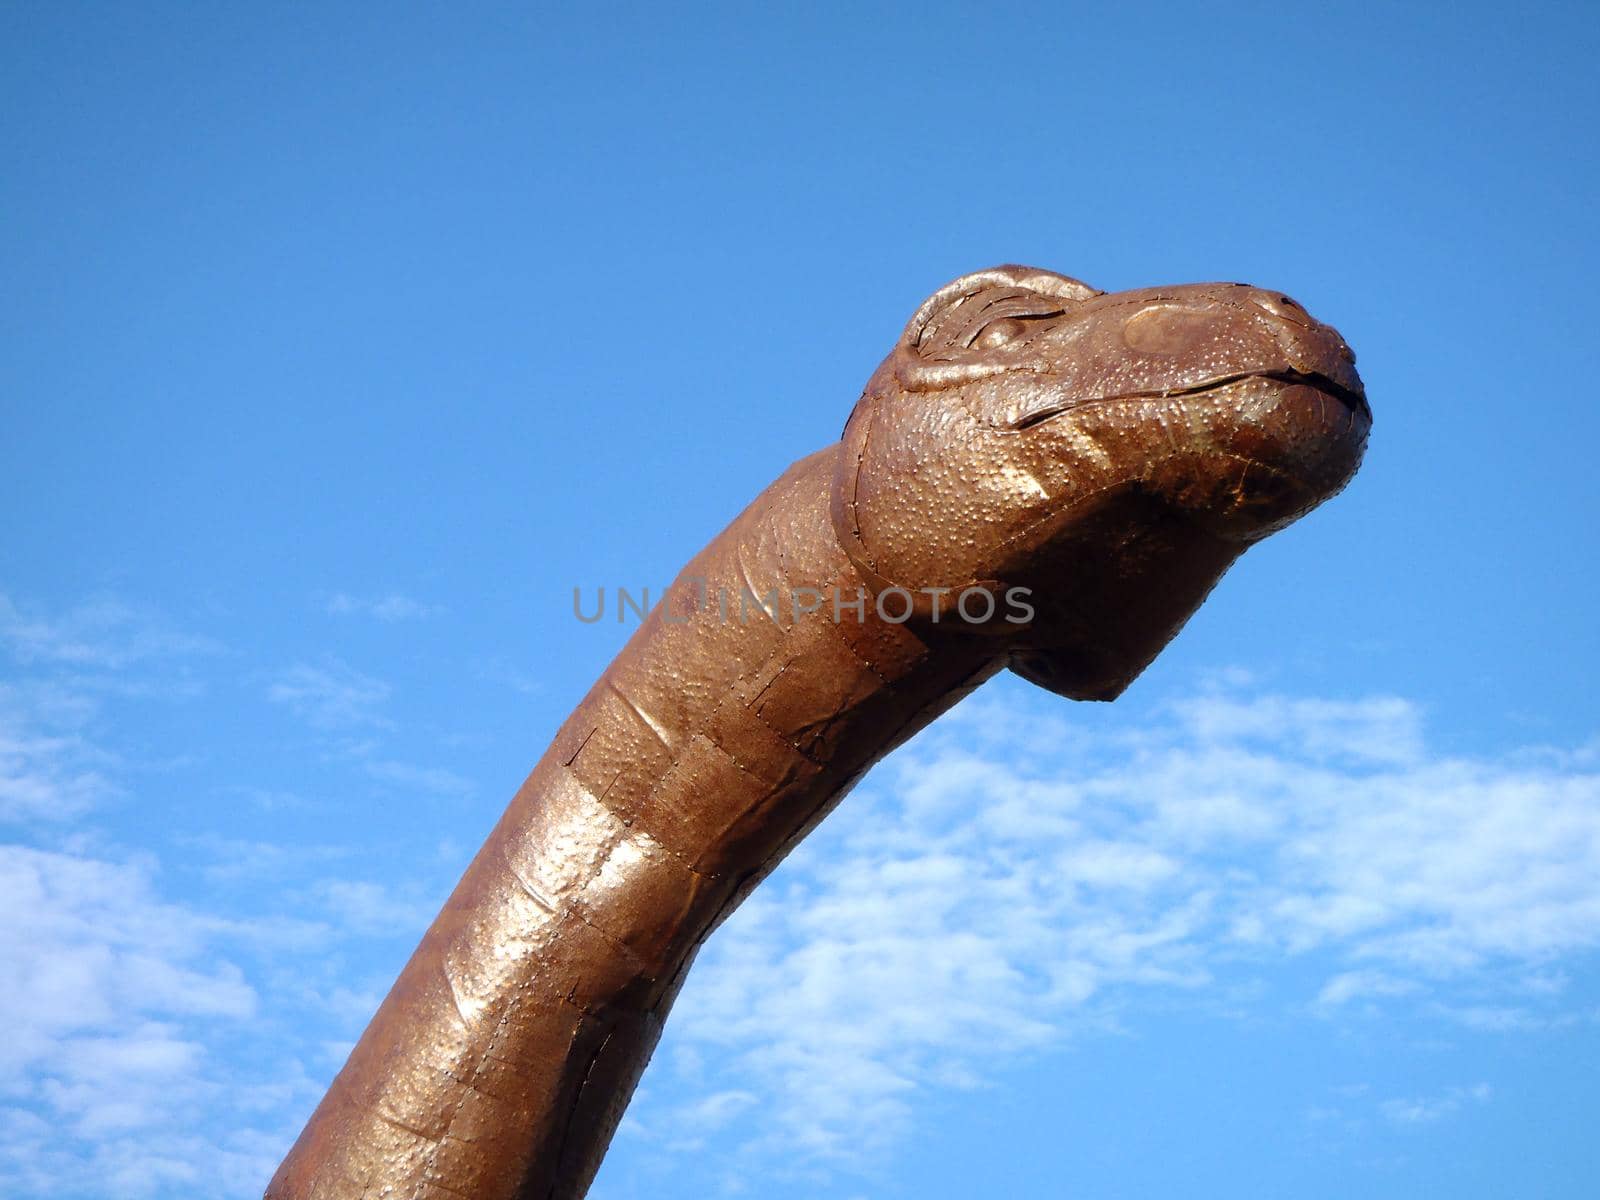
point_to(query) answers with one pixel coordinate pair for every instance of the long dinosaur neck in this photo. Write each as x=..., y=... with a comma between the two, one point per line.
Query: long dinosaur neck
x=500, y=1062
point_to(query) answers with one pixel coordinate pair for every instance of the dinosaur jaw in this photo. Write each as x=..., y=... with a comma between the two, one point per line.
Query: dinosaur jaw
x=1224, y=465
x=1242, y=455
x=1269, y=449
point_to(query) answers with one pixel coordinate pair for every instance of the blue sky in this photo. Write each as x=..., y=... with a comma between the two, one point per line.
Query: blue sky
x=342, y=345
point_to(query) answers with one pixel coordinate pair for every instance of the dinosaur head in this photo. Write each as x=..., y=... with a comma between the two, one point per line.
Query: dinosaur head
x=1112, y=453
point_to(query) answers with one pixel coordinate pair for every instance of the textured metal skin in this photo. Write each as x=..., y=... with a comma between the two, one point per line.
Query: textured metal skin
x=1112, y=453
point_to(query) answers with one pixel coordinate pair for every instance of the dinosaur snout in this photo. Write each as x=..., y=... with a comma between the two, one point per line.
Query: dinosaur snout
x=1230, y=330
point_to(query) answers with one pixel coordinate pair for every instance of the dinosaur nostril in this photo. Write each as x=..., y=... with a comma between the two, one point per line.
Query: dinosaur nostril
x=1282, y=307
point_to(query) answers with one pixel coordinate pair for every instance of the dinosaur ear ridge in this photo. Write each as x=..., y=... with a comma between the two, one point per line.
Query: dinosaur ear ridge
x=1025, y=291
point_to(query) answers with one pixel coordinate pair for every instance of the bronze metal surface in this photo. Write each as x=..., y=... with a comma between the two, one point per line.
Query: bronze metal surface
x=1103, y=457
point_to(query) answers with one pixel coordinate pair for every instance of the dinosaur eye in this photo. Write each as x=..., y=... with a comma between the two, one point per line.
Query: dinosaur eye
x=998, y=333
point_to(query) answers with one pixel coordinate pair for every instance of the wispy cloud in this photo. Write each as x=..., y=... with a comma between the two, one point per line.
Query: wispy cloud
x=330, y=696
x=393, y=606
x=56, y=761
x=107, y=986
x=237, y=860
x=156, y=1048
x=986, y=897
x=87, y=942
x=501, y=671
x=1349, y=986
x=426, y=779
x=336, y=699
x=67, y=669
x=106, y=633
x=1006, y=883
x=162, y=1042
x=1424, y=1110
x=366, y=907
x=45, y=776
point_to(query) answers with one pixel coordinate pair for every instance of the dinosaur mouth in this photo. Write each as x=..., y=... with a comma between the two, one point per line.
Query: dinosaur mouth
x=1355, y=399
x=1352, y=398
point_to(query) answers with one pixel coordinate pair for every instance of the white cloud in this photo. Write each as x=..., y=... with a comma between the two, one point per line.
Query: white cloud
x=501, y=671
x=44, y=776
x=109, y=991
x=373, y=908
x=424, y=779
x=106, y=633
x=50, y=770
x=1355, y=985
x=1425, y=1110
x=1006, y=883
x=153, y=1048
x=387, y=608
x=238, y=860
x=88, y=946
x=331, y=696
x=987, y=896
x=1376, y=730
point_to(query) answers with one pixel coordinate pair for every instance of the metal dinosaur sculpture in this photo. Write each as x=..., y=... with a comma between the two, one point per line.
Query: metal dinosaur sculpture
x=1040, y=476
